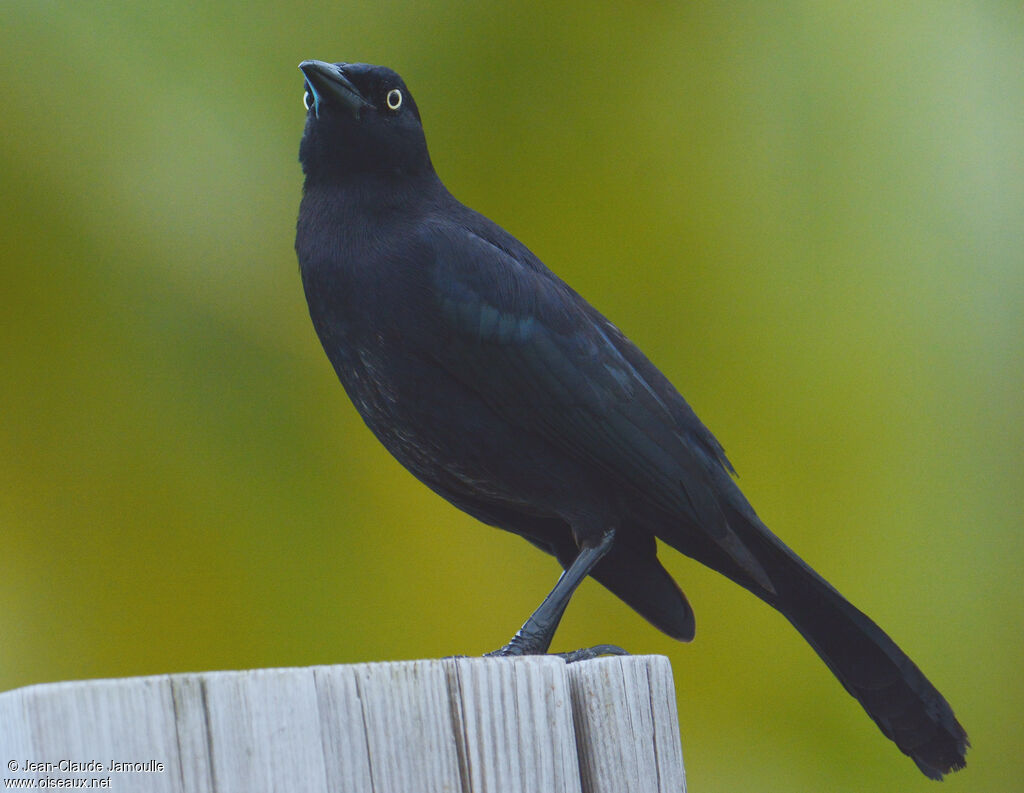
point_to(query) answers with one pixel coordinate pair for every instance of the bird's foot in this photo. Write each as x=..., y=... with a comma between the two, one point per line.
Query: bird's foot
x=514, y=648
x=588, y=653
x=527, y=641
x=520, y=646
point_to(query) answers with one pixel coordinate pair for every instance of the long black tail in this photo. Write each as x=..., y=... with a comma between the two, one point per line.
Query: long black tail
x=894, y=692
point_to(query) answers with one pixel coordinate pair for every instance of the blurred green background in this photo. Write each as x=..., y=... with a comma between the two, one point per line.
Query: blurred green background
x=810, y=216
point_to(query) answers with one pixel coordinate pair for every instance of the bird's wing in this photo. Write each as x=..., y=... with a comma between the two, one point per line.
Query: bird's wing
x=544, y=360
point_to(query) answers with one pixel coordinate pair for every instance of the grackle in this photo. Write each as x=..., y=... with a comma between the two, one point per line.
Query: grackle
x=507, y=394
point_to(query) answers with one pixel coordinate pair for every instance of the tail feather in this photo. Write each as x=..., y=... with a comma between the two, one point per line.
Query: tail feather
x=897, y=696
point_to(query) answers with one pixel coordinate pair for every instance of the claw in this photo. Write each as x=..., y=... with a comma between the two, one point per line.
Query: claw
x=514, y=650
x=588, y=653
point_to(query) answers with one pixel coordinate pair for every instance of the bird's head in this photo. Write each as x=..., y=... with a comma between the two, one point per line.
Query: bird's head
x=360, y=119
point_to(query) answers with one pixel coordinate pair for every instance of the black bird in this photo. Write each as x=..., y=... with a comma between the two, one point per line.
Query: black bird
x=506, y=393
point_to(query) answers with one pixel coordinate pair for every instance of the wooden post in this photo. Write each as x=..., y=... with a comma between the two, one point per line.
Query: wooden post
x=458, y=725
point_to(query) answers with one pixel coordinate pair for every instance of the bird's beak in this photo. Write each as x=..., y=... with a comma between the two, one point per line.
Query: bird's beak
x=328, y=80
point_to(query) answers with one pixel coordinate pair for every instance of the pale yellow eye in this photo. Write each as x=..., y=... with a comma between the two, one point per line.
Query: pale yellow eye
x=394, y=99
x=307, y=100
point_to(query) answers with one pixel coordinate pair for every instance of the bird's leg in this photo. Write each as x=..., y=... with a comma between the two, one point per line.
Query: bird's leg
x=535, y=636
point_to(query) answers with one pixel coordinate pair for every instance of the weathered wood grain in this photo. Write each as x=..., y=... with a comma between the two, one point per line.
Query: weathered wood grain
x=462, y=725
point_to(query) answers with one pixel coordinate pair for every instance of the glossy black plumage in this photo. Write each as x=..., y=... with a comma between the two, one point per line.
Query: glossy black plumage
x=506, y=393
